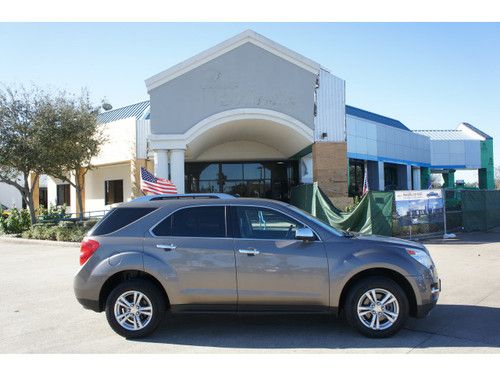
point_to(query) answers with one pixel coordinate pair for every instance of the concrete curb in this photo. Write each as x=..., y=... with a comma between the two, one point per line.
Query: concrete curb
x=38, y=242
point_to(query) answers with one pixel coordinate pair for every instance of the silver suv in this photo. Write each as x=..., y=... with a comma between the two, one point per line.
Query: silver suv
x=233, y=255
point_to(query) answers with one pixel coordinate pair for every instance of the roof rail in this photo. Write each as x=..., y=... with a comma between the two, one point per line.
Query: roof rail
x=161, y=197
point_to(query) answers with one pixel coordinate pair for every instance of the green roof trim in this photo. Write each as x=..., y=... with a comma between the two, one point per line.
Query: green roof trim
x=302, y=153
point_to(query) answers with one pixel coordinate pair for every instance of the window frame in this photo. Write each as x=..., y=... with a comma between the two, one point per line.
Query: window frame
x=227, y=228
x=66, y=186
x=236, y=231
x=107, y=183
x=110, y=212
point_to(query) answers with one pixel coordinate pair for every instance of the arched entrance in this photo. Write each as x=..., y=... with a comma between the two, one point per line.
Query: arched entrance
x=247, y=152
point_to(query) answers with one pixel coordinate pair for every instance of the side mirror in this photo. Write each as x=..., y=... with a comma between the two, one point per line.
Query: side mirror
x=304, y=234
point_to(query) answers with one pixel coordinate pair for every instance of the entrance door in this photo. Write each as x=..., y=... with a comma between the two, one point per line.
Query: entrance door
x=275, y=271
x=259, y=179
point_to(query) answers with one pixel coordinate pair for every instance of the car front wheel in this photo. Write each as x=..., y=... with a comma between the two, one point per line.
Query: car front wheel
x=377, y=307
x=135, y=308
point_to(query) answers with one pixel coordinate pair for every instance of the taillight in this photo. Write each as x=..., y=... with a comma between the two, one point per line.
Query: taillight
x=87, y=248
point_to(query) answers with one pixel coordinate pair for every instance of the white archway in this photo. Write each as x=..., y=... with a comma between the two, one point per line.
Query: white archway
x=237, y=134
x=256, y=128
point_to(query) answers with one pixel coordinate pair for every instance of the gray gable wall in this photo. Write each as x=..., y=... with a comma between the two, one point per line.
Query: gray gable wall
x=245, y=77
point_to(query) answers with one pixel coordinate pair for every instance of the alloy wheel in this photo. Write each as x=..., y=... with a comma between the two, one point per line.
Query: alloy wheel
x=378, y=309
x=133, y=310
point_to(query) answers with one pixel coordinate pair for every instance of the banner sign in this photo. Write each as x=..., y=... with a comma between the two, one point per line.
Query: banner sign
x=419, y=206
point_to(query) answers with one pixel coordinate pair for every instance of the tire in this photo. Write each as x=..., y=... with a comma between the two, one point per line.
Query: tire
x=376, y=321
x=136, y=322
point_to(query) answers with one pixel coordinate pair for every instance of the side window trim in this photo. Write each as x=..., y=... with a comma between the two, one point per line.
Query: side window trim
x=226, y=231
x=236, y=226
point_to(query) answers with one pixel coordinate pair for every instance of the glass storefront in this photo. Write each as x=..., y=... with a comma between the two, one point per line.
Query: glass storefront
x=263, y=179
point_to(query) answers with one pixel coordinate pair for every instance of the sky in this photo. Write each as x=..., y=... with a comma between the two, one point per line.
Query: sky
x=428, y=76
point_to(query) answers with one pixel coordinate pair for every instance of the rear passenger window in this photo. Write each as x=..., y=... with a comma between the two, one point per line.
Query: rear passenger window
x=120, y=217
x=194, y=222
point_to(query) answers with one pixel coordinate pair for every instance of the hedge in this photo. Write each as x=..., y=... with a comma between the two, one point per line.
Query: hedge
x=64, y=231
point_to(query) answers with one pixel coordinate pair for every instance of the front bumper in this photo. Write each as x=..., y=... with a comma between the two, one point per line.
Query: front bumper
x=89, y=304
x=429, y=296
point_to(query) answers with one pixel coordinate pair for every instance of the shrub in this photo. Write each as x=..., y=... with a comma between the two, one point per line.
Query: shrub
x=15, y=221
x=64, y=231
x=355, y=202
x=89, y=224
x=52, y=213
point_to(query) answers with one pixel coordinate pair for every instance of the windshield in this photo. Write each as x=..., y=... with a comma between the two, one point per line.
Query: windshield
x=335, y=231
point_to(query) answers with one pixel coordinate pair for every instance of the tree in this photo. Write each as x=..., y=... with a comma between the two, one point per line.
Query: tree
x=22, y=145
x=76, y=139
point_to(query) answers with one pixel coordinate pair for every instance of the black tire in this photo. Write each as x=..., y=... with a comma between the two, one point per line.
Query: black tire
x=357, y=291
x=152, y=293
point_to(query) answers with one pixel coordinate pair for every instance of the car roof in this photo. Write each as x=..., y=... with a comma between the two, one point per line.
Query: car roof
x=202, y=201
x=161, y=197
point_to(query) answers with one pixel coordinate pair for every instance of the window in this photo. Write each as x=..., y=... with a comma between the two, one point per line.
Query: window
x=265, y=179
x=194, y=222
x=264, y=223
x=390, y=177
x=42, y=197
x=119, y=217
x=356, y=176
x=113, y=191
x=63, y=195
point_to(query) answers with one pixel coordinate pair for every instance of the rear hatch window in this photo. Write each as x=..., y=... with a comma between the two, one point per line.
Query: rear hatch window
x=117, y=218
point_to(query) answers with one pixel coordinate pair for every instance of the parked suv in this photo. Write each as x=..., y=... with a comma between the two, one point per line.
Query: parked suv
x=247, y=255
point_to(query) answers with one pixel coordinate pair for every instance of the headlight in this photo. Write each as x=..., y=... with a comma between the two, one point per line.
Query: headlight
x=420, y=256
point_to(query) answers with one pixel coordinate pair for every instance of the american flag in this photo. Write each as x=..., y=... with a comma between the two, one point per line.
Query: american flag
x=152, y=184
x=365, y=181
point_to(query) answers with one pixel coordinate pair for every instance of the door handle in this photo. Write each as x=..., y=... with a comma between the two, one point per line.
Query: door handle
x=167, y=247
x=249, y=252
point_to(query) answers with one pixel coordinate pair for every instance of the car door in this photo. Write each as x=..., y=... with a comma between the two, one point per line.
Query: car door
x=274, y=270
x=198, y=257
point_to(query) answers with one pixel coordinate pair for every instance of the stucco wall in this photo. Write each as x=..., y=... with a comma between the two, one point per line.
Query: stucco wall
x=120, y=145
x=240, y=150
x=245, y=77
x=94, y=185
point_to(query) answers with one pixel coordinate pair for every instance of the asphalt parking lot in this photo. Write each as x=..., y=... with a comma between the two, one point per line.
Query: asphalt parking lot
x=41, y=315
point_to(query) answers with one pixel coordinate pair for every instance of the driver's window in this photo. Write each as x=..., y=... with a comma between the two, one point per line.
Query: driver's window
x=265, y=223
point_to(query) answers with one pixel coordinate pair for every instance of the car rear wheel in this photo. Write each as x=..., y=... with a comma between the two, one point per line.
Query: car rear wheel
x=135, y=308
x=377, y=307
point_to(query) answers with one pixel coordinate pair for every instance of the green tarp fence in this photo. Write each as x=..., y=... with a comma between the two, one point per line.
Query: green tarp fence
x=480, y=209
x=373, y=215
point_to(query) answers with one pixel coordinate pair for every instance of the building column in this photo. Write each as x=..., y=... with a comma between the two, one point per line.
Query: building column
x=449, y=179
x=81, y=179
x=425, y=177
x=135, y=175
x=408, y=178
x=416, y=178
x=177, y=169
x=161, y=163
x=381, y=176
x=330, y=167
x=35, y=188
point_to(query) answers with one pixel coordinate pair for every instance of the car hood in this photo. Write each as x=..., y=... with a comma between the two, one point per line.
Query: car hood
x=388, y=240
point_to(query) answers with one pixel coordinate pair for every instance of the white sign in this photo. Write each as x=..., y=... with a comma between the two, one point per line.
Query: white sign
x=419, y=206
x=409, y=195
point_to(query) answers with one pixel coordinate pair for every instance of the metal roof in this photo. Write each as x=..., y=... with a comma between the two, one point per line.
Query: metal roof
x=134, y=110
x=445, y=135
x=476, y=130
x=361, y=113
